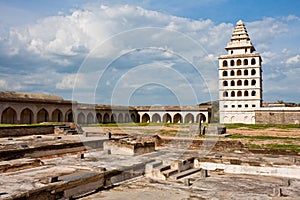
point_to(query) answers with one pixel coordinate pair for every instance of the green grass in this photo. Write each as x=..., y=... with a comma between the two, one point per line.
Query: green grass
x=283, y=146
x=262, y=126
x=261, y=137
x=15, y=125
x=290, y=147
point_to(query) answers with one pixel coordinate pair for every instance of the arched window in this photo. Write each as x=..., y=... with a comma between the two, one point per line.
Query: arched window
x=246, y=82
x=232, y=63
x=232, y=94
x=99, y=117
x=239, y=72
x=57, y=116
x=81, y=118
x=232, y=83
x=253, y=93
x=9, y=116
x=145, y=118
x=156, y=118
x=90, y=118
x=232, y=73
x=239, y=83
x=253, y=72
x=245, y=61
x=253, y=82
x=225, y=73
x=253, y=61
x=42, y=116
x=238, y=62
x=26, y=116
x=177, y=118
x=225, y=94
x=246, y=93
x=225, y=83
x=245, y=72
x=239, y=93
x=225, y=64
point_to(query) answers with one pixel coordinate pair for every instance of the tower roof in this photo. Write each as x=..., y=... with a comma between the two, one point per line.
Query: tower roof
x=240, y=38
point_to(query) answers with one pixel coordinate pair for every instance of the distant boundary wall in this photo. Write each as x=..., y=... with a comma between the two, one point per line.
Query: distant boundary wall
x=284, y=115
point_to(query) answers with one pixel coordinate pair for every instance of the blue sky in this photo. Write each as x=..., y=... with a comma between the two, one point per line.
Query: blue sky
x=101, y=51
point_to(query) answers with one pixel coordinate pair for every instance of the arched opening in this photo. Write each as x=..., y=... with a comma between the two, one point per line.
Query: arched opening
x=189, y=118
x=106, y=118
x=113, y=118
x=177, y=118
x=145, y=118
x=133, y=119
x=9, y=116
x=156, y=118
x=167, y=118
x=246, y=93
x=232, y=63
x=99, y=118
x=232, y=83
x=69, y=116
x=57, y=116
x=253, y=93
x=225, y=94
x=253, y=72
x=225, y=73
x=239, y=83
x=226, y=119
x=201, y=117
x=246, y=72
x=90, y=118
x=127, y=118
x=246, y=119
x=232, y=94
x=238, y=62
x=245, y=61
x=239, y=72
x=225, y=64
x=253, y=82
x=239, y=93
x=26, y=116
x=42, y=116
x=232, y=73
x=253, y=61
x=81, y=118
x=246, y=82
x=120, y=118
x=232, y=120
x=225, y=83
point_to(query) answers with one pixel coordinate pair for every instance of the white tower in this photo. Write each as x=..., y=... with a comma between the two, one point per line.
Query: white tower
x=240, y=79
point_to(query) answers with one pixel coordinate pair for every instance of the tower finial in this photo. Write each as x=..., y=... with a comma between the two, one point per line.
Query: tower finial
x=240, y=22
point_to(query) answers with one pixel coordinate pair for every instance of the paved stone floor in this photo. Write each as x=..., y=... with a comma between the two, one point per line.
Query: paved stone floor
x=216, y=186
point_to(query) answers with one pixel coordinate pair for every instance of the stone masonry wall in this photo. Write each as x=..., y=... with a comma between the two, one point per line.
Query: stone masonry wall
x=277, y=117
x=16, y=131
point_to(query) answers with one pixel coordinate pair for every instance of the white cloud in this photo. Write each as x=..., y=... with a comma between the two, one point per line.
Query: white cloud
x=65, y=39
x=293, y=60
x=3, y=83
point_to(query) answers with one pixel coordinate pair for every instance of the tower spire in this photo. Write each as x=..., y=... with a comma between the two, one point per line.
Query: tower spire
x=240, y=39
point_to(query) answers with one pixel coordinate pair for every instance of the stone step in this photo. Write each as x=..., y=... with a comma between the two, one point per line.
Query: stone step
x=170, y=172
x=185, y=173
x=71, y=132
x=63, y=127
x=163, y=168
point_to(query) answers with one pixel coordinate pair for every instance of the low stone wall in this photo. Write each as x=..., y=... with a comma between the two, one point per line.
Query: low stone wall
x=278, y=116
x=15, y=131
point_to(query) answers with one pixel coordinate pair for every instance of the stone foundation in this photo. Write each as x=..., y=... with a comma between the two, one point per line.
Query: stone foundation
x=129, y=147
